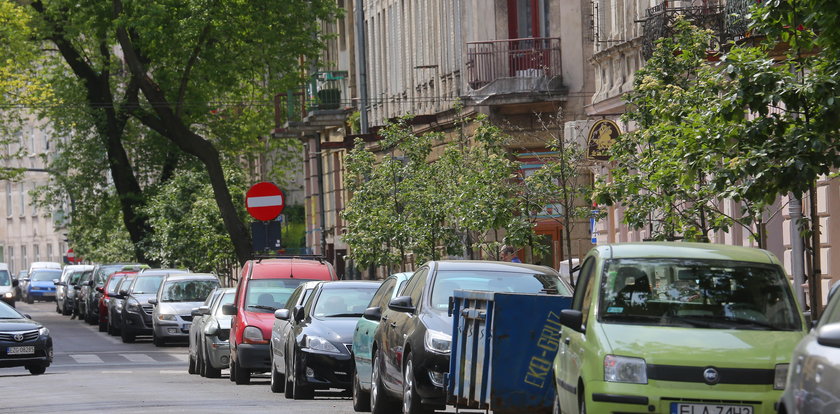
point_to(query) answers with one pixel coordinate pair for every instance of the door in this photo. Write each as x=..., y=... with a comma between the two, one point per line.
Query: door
x=527, y=20
x=572, y=342
x=549, y=251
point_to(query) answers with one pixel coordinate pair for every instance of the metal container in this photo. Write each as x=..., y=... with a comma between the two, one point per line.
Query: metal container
x=503, y=348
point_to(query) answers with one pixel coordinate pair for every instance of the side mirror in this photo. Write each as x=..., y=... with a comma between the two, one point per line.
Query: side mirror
x=15, y=283
x=572, y=319
x=153, y=301
x=282, y=314
x=229, y=310
x=299, y=313
x=829, y=335
x=401, y=304
x=57, y=282
x=123, y=292
x=100, y=289
x=200, y=311
x=373, y=313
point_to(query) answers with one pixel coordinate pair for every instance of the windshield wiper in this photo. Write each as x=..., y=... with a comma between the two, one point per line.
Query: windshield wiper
x=268, y=308
x=342, y=315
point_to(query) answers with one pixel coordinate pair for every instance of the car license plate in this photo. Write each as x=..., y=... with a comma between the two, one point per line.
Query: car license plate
x=20, y=350
x=49, y=293
x=681, y=408
x=186, y=327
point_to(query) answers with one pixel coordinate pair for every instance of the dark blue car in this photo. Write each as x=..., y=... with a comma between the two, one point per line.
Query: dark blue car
x=41, y=285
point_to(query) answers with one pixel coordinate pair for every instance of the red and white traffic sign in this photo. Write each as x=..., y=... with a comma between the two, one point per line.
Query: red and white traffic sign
x=71, y=257
x=264, y=201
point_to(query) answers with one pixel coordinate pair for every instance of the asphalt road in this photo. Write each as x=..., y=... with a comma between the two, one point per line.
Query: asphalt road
x=92, y=371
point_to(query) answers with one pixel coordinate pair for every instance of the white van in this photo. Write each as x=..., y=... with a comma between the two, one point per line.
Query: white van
x=7, y=288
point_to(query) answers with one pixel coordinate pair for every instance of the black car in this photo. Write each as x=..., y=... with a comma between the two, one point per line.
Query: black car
x=92, y=295
x=317, y=350
x=136, y=316
x=410, y=352
x=23, y=342
x=115, y=305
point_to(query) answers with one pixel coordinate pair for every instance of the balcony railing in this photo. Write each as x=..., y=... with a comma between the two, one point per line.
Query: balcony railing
x=659, y=20
x=328, y=90
x=489, y=61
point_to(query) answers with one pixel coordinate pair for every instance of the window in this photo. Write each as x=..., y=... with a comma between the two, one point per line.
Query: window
x=36, y=252
x=11, y=255
x=384, y=293
x=24, y=259
x=50, y=253
x=22, y=200
x=9, y=202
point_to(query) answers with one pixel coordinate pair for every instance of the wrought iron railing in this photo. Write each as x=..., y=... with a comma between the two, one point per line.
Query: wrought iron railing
x=490, y=60
x=659, y=20
x=327, y=90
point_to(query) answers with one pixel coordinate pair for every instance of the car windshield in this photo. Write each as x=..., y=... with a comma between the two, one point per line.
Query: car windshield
x=227, y=299
x=267, y=295
x=111, y=288
x=448, y=281
x=187, y=290
x=45, y=275
x=8, y=312
x=697, y=293
x=147, y=284
x=5, y=280
x=74, y=277
x=343, y=302
x=103, y=272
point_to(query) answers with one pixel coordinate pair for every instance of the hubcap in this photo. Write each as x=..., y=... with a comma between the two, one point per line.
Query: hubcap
x=408, y=387
x=374, y=384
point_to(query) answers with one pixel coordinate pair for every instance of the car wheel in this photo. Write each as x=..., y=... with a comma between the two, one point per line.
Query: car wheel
x=290, y=384
x=379, y=402
x=66, y=311
x=232, y=369
x=36, y=369
x=201, y=367
x=299, y=392
x=411, y=400
x=158, y=341
x=209, y=370
x=112, y=330
x=57, y=310
x=582, y=402
x=127, y=337
x=361, y=399
x=555, y=408
x=191, y=366
x=278, y=381
x=29, y=300
x=242, y=376
x=103, y=326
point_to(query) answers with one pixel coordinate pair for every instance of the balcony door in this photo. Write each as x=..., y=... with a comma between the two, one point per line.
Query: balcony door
x=527, y=20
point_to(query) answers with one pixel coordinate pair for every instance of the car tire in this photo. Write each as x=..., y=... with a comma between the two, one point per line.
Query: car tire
x=127, y=337
x=232, y=369
x=242, y=376
x=158, y=341
x=209, y=370
x=555, y=407
x=582, y=402
x=379, y=402
x=361, y=399
x=103, y=326
x=29, y=300
x=289, y=384
x=57, y=310
x=278, y=381
x=191, y=367
x=299, y=392
x=112, y=330
x=66, y=311
x=37, y=369
x=411, y=403
x=200, y=365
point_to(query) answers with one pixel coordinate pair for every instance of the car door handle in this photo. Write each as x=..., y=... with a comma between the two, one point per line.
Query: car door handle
x=384, y=318
x=393, y=324
x=567, y=340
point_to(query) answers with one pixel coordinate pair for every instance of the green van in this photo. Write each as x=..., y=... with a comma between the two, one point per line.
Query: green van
x=681, y=328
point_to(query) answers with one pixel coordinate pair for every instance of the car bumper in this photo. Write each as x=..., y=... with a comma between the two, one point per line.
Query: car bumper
x=137, y=324
x=431, y=394
x=43, y=355
x=329, y=370
x=662, y=396
x=218, y=352
x=173, y=331
x=42, y=294
x=255, y=357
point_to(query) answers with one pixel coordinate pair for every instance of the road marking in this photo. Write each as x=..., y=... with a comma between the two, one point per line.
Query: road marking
x=116, y=371
x=164, y=371
x=137, y=357
x=182, y=357
x=86, y=359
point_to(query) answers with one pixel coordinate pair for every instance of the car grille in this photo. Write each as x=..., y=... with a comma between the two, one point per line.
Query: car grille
x=187, y=318
x=10, y=336
x=349, y=347
x=224, y=334
x=148, y=309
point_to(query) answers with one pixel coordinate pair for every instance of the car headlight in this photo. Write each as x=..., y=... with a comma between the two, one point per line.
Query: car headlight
x=9, y=295
x=317, y=343
x=43, y=331
x=253, y=335
x=118, y=305
x=132, y=305
x=780, y=377
x=437, y=342
x=625, y=369
x=167, y=317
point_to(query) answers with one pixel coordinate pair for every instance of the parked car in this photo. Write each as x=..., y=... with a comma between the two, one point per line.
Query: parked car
x=676, y=327
x=177, y=297
x=136, y=316
x=80, y=288
x=7, y=285
x=363, y=339
x=25, y=343
x=64, y=292
x=108, y=290
x=209, y=334
x=264, y=286
x=93, y=294
x=40, y=284
x=410, y=353
x=115, y=304
x=317, y=351
x=18, y=289
x=280, y=331
x=813, y=382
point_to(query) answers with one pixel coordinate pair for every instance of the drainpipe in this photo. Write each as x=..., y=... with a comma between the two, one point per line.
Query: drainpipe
x=361, y=66
x=797, y=248
x=320, y=167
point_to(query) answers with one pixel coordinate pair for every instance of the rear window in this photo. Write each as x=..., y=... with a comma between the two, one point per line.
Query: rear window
x=147, y=285
x=45, y=275
x=268, y=295
x=448, y=281
x=187, y=290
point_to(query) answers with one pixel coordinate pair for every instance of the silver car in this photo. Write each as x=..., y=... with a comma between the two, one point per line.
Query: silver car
x=64, y=288
x=813, y=382
x=209, y=334
x=173, y=305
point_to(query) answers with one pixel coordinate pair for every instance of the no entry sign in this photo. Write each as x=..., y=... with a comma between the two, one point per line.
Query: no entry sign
x=264, y=201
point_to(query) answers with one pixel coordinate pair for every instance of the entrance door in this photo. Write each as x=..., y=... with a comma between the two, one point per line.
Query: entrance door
x=551, y=252
x=527, y=21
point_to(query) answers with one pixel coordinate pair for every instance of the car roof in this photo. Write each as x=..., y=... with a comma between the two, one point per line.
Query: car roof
x=686, y=250
x=159, y=272
x=487, y=265
x=290, y=268
x=191, y=276
x=341, y=284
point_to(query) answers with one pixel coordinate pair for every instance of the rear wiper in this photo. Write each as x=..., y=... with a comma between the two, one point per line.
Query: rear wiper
x=268, y=308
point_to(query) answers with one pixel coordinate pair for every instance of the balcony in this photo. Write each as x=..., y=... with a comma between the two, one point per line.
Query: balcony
x=514, y=66
x=322, y=102
x=658, y=21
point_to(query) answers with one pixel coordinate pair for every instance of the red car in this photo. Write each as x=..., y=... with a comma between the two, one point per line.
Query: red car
x=107, y=290
x=264, y=286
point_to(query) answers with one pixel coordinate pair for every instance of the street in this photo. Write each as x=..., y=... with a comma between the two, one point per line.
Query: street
x=92, y=371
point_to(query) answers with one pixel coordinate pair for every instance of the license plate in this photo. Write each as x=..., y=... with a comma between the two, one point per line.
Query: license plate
x=49, y=293
x=186, y=327
x=20, y=350
x=680, y=408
